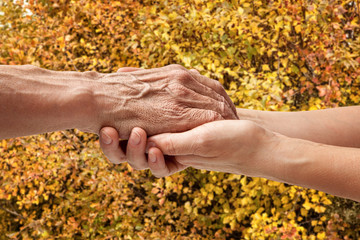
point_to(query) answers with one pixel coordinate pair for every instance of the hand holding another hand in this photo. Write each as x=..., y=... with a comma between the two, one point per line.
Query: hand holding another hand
x=232, y=146
x=168, y=99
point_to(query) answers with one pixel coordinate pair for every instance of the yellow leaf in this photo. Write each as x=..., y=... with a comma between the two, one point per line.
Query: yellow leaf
x=303, y=212
x=321, y=235
x=326, y=201
x=307, y=205
x=265, y=67
x=315, y=198
x=298, y=28
x=188, y=207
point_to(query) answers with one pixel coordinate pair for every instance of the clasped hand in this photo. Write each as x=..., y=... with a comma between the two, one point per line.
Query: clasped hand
x=211, y=146
x=167, y=99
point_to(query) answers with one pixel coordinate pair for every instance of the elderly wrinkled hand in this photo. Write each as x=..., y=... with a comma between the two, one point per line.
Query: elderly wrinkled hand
x=167, y=99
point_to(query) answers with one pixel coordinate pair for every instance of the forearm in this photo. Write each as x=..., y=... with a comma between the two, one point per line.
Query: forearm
x=35, y=100
x=334, y=170
x=338, y=126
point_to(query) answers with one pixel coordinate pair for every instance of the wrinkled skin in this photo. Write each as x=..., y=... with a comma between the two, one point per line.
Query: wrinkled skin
x=167, y=99
x=179, y=100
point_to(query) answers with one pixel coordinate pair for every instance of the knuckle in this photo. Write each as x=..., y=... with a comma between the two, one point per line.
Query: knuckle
x=35, y=68
x=194, y=71
x=176, y=66
x=222, y=107
x=92, y=74
x=199, y=117
x=226, y=110
x=203, y=138
x=182, y=75
x=217, y=117
x=29, y=67
x=219, y=85
x=211, y=116
x=179, y=90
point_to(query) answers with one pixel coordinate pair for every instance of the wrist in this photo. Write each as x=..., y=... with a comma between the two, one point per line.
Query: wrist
x=293, y=160
x=111, y=96
x=86, y=110
x=69, y=98
x=37, y=100
x=327, y=168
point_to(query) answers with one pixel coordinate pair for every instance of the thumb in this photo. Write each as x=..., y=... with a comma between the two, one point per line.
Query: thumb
x=128, y=69
x=174, y=144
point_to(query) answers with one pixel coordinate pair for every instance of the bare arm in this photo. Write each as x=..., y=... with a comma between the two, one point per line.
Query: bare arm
x=35, y=100
x=243, y=147
x=331, y=169
x=337, y=126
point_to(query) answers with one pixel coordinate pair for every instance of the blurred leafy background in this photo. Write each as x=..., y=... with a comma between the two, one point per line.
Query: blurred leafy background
x=274, y=55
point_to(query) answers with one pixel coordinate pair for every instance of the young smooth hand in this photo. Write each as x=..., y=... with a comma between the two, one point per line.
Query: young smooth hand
x=233, y=146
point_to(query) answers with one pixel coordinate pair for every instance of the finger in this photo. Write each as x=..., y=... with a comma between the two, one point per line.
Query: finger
x=136, y=149
x=185, y=78
x=128, y=69
x=207, y=163
x=199, y=101
x=199, y=161
x=161, y=167
x=215, y=86
x=198, y=117
x=212, y=88
x=109, y=143
x=175, y=144
x=194, y=71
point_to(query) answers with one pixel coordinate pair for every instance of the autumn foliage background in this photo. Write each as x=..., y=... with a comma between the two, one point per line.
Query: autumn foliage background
x=274, y=55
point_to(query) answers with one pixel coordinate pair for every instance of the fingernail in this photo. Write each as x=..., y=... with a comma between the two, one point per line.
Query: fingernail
x=150, y=145
x=152, y=157
x=105, y=138
x=135, y=138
